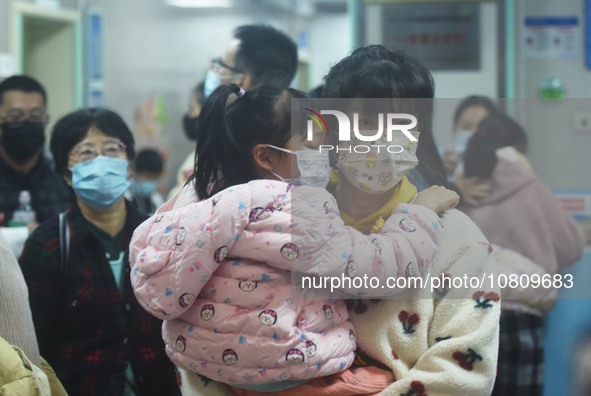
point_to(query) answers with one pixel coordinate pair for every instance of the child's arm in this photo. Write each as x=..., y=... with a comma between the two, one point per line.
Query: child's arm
x=308, y=236
x=173, y=254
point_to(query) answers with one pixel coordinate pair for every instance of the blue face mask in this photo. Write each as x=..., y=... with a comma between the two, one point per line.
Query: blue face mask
x=461, y=139
x=100, y=182
x=212, y=81
x=144, y=187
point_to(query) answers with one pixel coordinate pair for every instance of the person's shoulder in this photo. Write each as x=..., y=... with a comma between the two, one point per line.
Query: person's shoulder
x=134, y=216
x=458, y=225
x=46, y=232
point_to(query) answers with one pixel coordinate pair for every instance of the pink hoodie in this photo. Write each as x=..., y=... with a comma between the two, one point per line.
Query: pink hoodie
x=521, y=214
x=219, y=272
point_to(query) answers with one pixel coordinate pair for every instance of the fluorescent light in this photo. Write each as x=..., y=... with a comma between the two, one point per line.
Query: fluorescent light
x=201, y=3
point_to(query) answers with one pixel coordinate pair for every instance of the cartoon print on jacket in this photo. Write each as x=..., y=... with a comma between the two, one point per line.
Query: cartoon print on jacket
x=247, y=285
x=186, y=299
x=290, y=251
x=268, y=317
x=294, y=355
x=207, y=312
x=229, y=357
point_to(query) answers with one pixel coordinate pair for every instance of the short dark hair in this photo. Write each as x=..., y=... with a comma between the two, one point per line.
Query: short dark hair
x=264, y=50
x=149, y=161
x=24, y=84
x=375, y=71
x=73, y=127
x=226, y=133
x=493, y=132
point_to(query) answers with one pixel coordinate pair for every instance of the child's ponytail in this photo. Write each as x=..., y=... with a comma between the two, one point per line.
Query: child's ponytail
x=213, y=133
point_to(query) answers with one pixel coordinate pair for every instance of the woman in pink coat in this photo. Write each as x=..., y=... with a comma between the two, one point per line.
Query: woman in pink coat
x=220, y=271
x=520, y=214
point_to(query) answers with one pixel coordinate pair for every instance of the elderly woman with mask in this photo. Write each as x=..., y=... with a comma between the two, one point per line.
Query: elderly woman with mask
x=88, y=322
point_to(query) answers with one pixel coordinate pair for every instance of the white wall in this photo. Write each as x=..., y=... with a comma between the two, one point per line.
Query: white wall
x=152, y=49
x=330, y=41
x=455, y=84
x=558, y=152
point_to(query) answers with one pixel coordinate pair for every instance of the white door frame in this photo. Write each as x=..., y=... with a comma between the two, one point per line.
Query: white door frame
x=22, y=10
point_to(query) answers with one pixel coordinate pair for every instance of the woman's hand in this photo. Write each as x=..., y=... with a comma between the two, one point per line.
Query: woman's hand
x=437, y=198
x=473, y=189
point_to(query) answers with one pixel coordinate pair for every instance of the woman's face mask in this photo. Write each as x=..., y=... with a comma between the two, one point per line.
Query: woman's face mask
x=461, y=139
x=313, y=166
x=377, y=172
x=100, y=182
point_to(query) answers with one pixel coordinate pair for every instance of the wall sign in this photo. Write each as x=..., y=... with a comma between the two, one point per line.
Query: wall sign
x=443, y=36
x=551, y=37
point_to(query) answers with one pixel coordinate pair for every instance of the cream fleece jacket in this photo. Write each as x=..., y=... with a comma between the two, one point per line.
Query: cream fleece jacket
x=16, y=321
x=442, y=346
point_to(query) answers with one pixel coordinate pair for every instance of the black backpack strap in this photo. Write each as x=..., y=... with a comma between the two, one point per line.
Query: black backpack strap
x=64, y=240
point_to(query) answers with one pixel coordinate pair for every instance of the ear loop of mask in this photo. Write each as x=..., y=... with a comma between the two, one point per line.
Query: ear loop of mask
x=285, y=151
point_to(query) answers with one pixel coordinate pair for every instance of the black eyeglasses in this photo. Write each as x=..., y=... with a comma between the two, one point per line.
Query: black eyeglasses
x=218, y=62
x=17, y=117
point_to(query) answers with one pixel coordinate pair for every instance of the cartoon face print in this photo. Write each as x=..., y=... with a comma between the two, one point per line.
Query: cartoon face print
x=385, y=178
x=412, y=270
x=294, y=356
x=180, y=237
x=407, y=225
x=352, y=337
x=278, y=206
x=181, y=343
x=207, y=312
x=327, y=311
x=378, y=244
x=229, y=357
x=331, y=231
x=254, y=214
x=220, y=254
x=260, y=213
x=310, y=349
x=186, y=299
x=352, y=269
x=247, y=285
x=159, y=218
x=290, y=251
x=268, y=317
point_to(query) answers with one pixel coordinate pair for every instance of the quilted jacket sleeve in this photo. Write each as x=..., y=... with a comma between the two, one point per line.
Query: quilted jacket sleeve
x=173, y=254
x=303, y=232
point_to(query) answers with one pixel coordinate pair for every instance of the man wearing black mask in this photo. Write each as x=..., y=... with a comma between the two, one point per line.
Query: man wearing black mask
x=23, y=165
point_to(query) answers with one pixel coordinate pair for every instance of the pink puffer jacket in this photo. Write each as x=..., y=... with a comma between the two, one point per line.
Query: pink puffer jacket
x=219, y=273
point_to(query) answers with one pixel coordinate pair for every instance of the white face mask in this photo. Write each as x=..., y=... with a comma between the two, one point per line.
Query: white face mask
x=461, y=138
x=374, y=172
x=313, y=166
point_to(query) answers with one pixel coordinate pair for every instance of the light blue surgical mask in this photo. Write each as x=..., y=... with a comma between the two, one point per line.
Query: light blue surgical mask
x=212, y=81
x=144, y=187
x=313, y=165
x=461, y=139
x=100, y=182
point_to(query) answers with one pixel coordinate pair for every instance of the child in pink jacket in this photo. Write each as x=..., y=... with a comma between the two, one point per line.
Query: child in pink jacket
x=219, y=271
